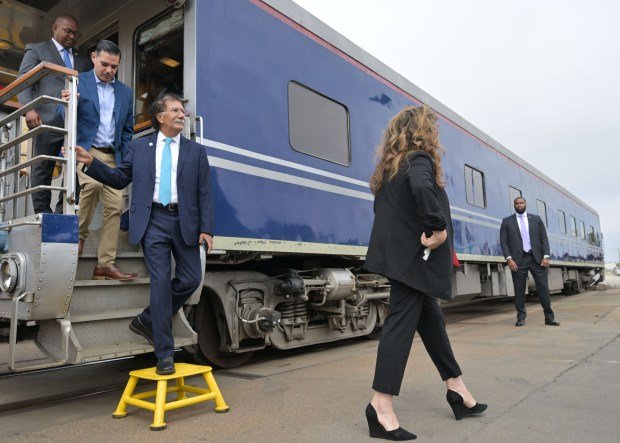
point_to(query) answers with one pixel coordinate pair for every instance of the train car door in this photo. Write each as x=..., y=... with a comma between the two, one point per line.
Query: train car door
x=158, y=63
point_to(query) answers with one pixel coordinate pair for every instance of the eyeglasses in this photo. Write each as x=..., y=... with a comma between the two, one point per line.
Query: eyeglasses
x=76, y=34
x=177, y=111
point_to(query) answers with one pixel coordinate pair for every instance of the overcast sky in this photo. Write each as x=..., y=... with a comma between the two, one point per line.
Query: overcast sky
x=542, y=77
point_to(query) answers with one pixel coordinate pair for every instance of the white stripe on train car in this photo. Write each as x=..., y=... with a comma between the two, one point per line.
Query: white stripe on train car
x=286, y=178
x=278, y=161
x=466, y=211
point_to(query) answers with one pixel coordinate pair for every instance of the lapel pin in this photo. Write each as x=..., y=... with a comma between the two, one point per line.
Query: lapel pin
x=150, y=143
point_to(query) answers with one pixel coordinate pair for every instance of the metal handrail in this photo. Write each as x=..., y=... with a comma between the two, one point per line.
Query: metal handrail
x=31, y=77
x=32, y=161
x=44, y=99
x=30, y=134
x=69, y=172
x=31, y=191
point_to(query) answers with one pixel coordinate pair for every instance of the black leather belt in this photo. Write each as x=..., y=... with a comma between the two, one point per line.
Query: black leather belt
x=170, y=207
x=104, y=150
x=527, y=253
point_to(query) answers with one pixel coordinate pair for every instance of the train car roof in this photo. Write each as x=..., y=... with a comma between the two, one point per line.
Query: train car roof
x=299, y=15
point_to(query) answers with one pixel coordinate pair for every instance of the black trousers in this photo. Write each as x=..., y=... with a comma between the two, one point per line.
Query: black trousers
x=411, y=310
x=519, y=281
x=45, y=144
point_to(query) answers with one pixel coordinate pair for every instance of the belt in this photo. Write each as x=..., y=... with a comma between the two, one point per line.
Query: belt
x=527, y=253
x=104, y=150
x=170, y=207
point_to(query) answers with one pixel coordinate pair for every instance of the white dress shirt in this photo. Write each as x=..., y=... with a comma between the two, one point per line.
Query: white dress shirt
x=61, y=52
x=174, y=149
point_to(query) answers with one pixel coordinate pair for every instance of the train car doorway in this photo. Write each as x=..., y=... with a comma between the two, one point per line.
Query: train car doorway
x=158, y=61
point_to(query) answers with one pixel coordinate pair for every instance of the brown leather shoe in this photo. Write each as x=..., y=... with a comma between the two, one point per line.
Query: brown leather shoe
x=111, y=273
x=80, y=247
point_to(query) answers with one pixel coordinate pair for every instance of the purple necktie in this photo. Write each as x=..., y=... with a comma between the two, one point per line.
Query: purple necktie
x=525, y=235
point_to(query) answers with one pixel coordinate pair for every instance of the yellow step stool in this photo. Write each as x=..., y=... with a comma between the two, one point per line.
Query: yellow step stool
x=160, y=406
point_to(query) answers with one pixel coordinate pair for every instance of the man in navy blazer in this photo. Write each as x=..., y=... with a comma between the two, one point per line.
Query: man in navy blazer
x=105, y=128
x=526, y=248
x=171, y=211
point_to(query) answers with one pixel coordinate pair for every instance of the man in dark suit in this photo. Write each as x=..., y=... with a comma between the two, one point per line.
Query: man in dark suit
x=58, y=50
x=104, y=128
x=526, y=248
x=171, y=211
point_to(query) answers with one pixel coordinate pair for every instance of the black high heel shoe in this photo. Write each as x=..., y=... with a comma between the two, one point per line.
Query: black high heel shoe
x=459, y=408
x=378, y=431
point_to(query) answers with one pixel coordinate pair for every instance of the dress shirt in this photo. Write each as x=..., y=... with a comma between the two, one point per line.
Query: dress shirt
x=174, y=150
x=61, y=51
x=106, y=131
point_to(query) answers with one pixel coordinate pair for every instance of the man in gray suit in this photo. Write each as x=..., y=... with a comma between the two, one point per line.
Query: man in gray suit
x=526, y=248
x=58, y=50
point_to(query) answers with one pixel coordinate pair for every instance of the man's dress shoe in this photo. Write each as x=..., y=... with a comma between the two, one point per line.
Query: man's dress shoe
x=80, y=247
x=137, y=327
x=111, y=273
x=551, y=322
x=520, y=322
x=165, y=366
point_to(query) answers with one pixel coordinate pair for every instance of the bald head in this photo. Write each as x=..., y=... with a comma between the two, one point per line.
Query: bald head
x=66, y=30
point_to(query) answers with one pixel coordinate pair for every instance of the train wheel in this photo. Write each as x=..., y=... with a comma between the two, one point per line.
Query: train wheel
x=207, y=350
x=375, y=334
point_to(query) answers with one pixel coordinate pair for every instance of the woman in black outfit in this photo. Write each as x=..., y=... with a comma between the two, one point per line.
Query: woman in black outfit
x=411, y=244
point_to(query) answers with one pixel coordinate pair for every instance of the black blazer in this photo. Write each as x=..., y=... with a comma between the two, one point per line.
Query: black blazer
x=52, y=84
x=512, y=243
x=405, y=207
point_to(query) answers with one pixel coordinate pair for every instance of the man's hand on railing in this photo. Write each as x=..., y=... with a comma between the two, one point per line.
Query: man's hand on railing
x=33, y=119
x=81, y=155
x=64, y=94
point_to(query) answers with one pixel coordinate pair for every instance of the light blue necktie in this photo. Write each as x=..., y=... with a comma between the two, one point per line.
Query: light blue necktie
x=67, y=59
x=165, y=173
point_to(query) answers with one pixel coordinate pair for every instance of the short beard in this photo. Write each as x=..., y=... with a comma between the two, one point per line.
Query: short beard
x=520, y=211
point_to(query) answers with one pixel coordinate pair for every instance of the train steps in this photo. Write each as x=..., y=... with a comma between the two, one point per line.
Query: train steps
x=101, y=310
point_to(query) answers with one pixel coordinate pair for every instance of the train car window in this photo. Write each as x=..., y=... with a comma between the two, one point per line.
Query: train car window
x=474, y=186
x=159, y=61
x=318, y=126
x=562, y=220
x=514, y=193
x=582, y=229
x=541, y=206
x=573, y=226
x=592, y=235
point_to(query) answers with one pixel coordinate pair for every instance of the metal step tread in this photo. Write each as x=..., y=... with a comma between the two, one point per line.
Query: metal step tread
x=125, y=349
x=118, y=255
x=104, y=315
x=135, y=281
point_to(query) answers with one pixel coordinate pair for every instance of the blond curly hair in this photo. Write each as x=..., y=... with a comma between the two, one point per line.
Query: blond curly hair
x=412, y=129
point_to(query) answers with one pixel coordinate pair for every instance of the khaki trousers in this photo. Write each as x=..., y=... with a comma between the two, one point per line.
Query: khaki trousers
x=112, y=200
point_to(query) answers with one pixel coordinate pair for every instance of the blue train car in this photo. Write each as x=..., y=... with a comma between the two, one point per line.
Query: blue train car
x=290, y=113
x=293, y=115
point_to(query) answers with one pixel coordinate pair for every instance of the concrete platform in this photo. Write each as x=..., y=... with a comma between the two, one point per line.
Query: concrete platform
x=542, y=383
